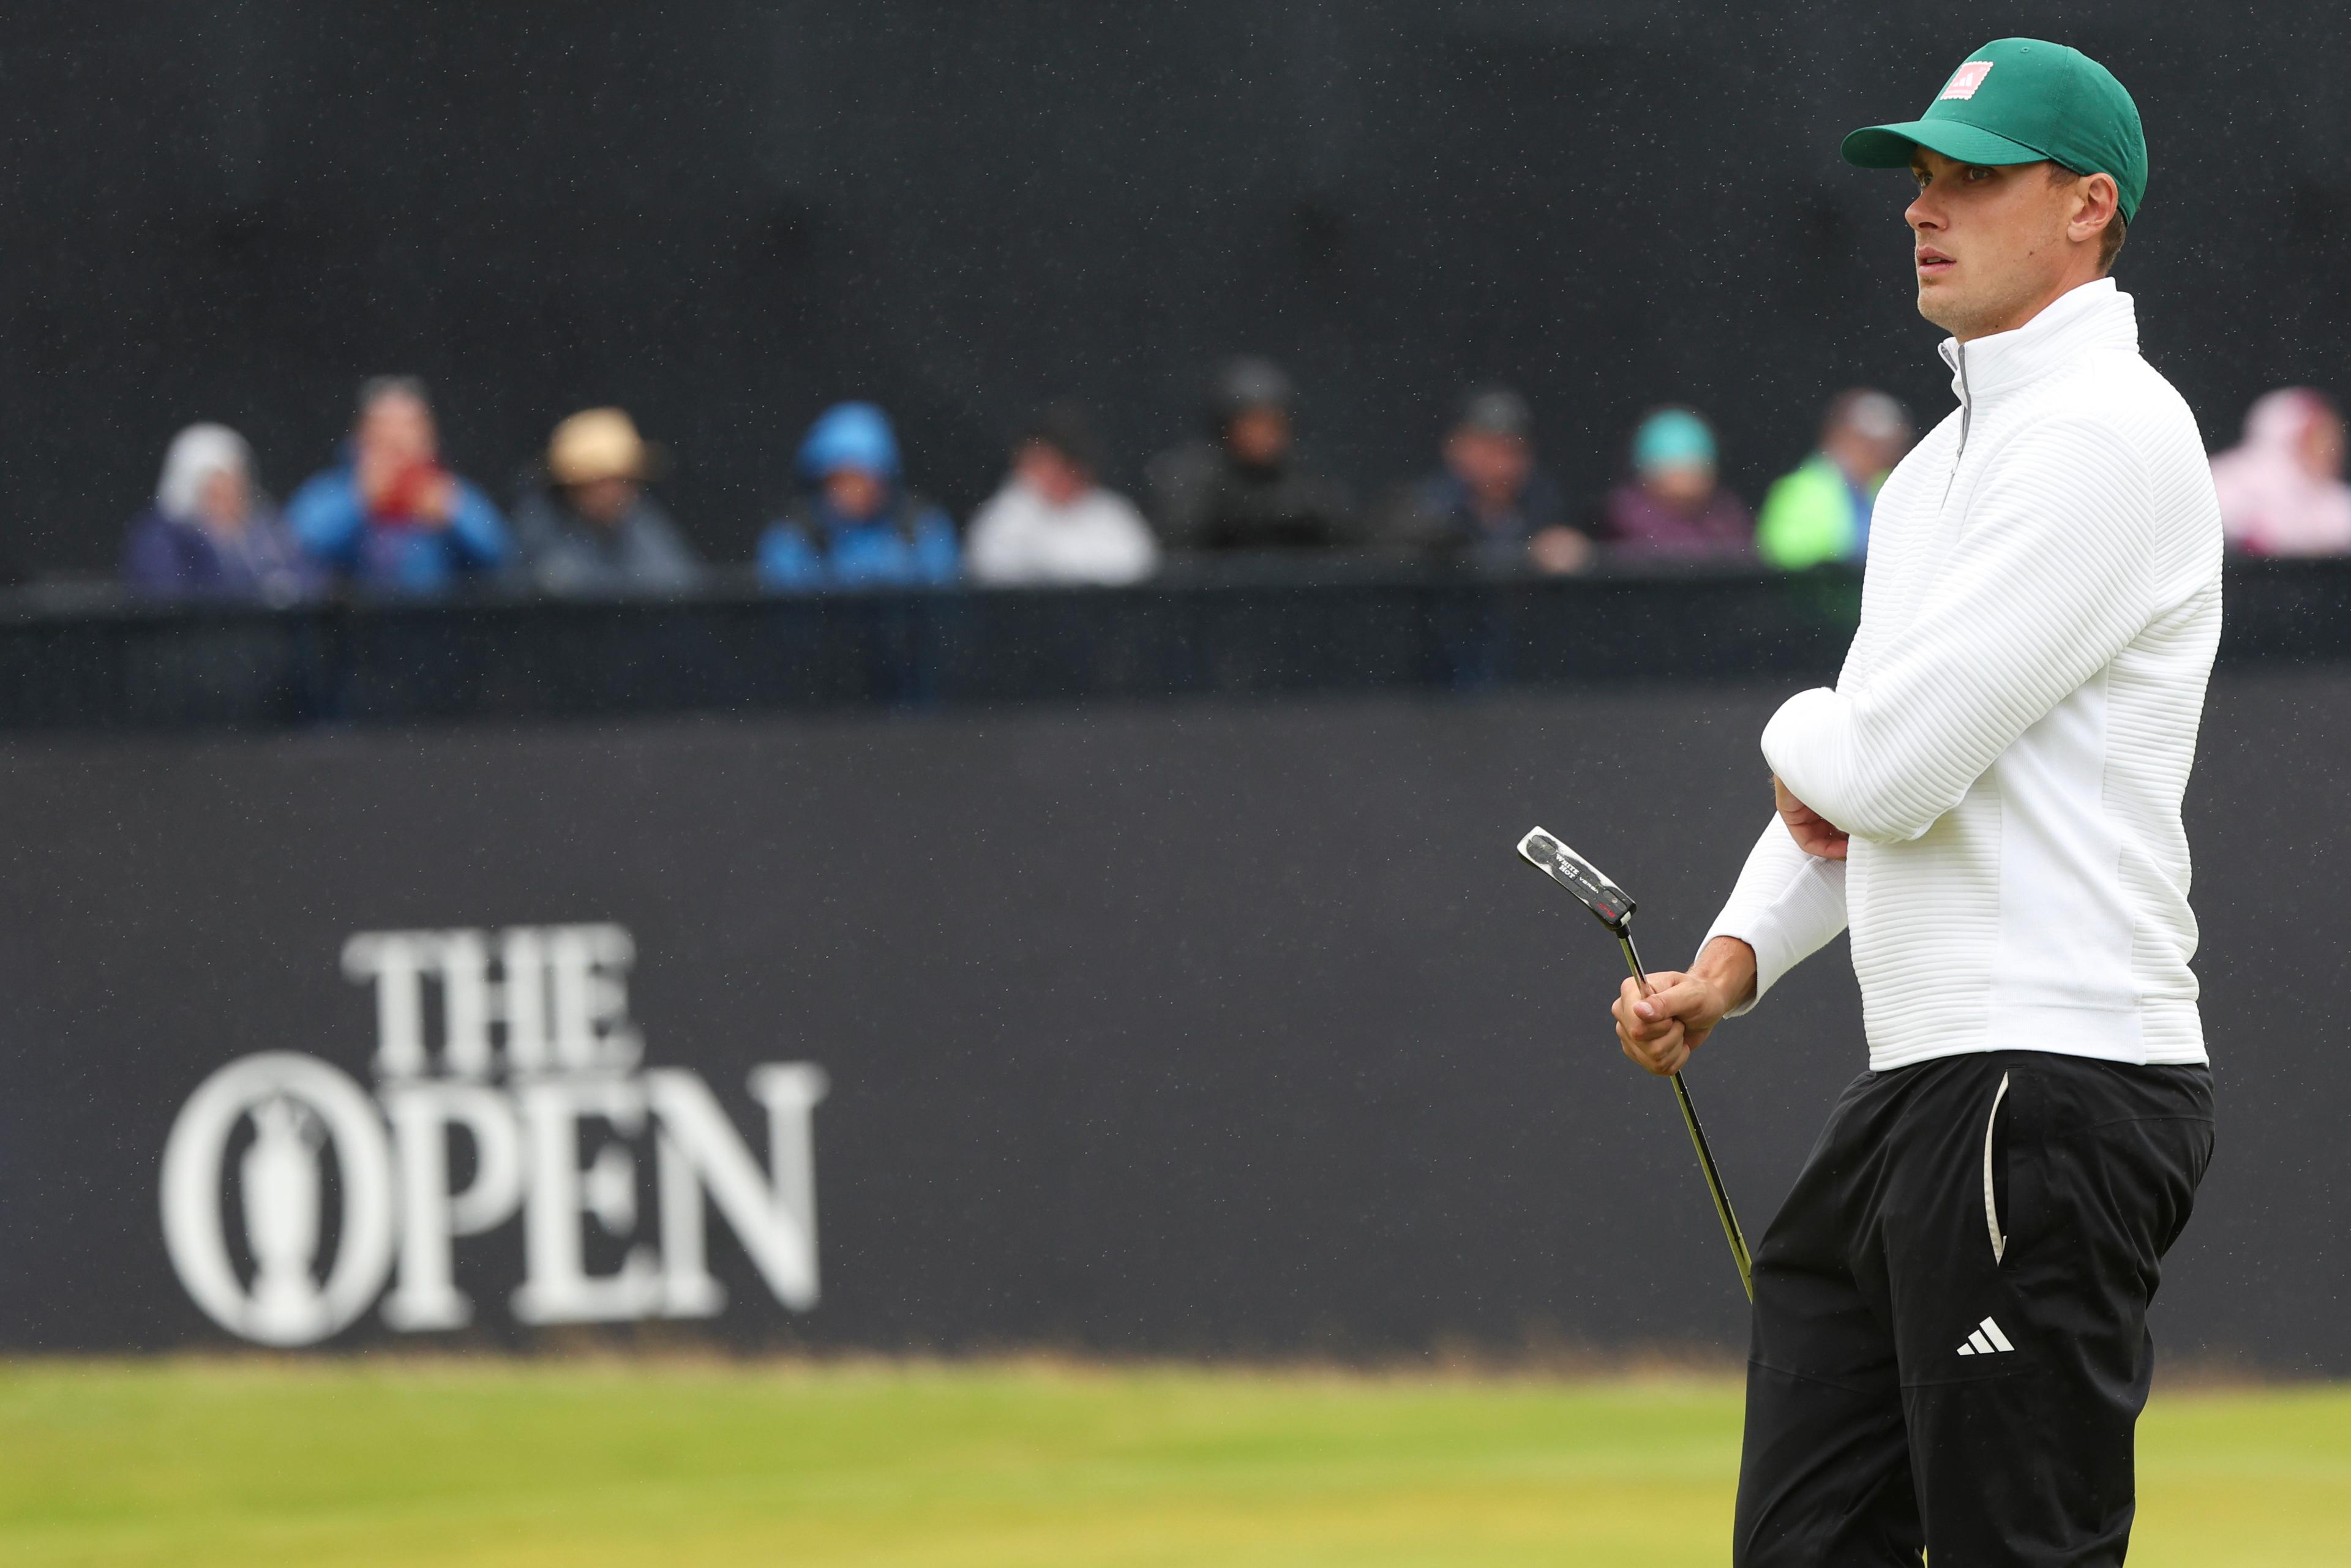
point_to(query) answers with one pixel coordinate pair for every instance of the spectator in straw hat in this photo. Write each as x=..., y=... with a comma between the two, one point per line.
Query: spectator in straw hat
x=589, y=525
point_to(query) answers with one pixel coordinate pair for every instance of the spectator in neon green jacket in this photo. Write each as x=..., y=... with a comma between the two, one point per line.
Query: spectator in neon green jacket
x=1820, y=512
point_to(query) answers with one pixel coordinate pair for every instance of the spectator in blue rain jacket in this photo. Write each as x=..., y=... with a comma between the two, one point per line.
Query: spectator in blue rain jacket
x=855, y=524
x=392, y=516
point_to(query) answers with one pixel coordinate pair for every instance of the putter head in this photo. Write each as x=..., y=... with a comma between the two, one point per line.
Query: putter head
x=1610, y=903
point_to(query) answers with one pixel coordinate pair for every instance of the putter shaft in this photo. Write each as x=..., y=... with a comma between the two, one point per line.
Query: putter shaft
x=1714, y=1187
x=1614, y=908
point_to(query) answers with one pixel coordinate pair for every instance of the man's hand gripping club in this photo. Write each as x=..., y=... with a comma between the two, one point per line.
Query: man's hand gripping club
x=1659, y=1030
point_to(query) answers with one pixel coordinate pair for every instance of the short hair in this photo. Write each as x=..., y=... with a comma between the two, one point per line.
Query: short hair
x=1246, y=384
x=375, y=389
x=1495, y=411
x=1063, y=426
x=1871, y=412
x=2111, y=237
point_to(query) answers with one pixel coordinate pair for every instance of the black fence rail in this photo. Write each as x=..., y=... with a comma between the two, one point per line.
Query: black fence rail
x=84, y=661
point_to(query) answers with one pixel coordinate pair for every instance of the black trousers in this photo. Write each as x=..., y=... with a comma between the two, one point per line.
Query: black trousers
x=1950, y=1343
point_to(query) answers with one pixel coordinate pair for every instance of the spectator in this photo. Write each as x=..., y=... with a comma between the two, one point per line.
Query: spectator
x=211, y=532
x=1489, y=506
x=392, y=516
x=2281, y=492
x=1821, y=511
x=1672, y=505
x=1241, y=488
x=855, y=524
x=589, y=525
x=1051, y=522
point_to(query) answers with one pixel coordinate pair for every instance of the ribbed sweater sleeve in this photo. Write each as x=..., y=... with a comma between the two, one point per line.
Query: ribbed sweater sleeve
x=2045, y=585
x=1787, y=907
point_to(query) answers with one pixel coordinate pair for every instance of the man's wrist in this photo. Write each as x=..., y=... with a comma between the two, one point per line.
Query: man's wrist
x=1730, y=964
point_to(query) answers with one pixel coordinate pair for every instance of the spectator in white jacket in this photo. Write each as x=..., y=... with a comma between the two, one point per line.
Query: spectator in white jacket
x=1052, y=523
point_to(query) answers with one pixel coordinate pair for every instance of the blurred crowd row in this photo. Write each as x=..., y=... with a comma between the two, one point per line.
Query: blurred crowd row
x=389, y=516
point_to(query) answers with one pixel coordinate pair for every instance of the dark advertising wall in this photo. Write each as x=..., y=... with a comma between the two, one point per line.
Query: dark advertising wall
x=1143, y=1029
x=725, y=216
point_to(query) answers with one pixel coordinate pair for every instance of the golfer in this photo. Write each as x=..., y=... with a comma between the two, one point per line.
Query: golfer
x=1950, y=1343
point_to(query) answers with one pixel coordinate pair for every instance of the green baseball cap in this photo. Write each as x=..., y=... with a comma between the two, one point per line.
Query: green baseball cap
x=2020, y=100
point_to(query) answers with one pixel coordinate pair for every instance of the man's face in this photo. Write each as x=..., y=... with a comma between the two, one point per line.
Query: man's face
x=1047, y=470
x=2322, y=446
x=225, y=500
x=1493, y=466
x=396, y=431
x=605, y=501
x=856, y=493
x=1259, y=437
x=1864, y=456
x=1689, y=485
x=1992, y=246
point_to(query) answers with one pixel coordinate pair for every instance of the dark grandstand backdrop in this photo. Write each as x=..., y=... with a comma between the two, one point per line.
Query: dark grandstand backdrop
x=1153, y=1029
x=725, y=216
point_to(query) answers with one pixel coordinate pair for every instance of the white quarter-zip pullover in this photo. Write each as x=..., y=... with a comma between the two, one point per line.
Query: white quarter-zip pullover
x=2011, y=732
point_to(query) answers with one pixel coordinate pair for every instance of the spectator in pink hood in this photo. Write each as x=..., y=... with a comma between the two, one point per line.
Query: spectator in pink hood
x=2281, y=492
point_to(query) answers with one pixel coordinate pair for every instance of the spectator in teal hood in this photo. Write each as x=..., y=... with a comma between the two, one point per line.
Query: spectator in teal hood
x=1674, y=505
x=854, y=523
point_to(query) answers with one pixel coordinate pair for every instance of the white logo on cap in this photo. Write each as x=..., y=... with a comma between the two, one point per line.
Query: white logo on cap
x=1968, y=78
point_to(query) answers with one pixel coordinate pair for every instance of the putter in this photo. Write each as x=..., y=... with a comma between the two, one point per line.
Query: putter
x=1614, y=908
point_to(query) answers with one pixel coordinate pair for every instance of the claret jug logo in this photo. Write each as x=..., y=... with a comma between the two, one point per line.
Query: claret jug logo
x=292, y=1197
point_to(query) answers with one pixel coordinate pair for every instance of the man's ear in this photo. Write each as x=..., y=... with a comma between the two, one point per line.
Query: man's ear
x=2101, y=200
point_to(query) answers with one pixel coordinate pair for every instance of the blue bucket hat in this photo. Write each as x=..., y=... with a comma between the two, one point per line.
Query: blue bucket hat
x=850, y=435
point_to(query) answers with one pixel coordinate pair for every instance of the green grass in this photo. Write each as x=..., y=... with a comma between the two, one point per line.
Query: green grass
x=191, y=1463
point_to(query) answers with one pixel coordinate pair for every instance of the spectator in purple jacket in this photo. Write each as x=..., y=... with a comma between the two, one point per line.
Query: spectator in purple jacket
x=1674, y=506
x=211, y=532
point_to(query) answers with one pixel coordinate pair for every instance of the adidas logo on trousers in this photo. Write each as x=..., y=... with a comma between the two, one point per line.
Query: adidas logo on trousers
x=1987, y=1339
